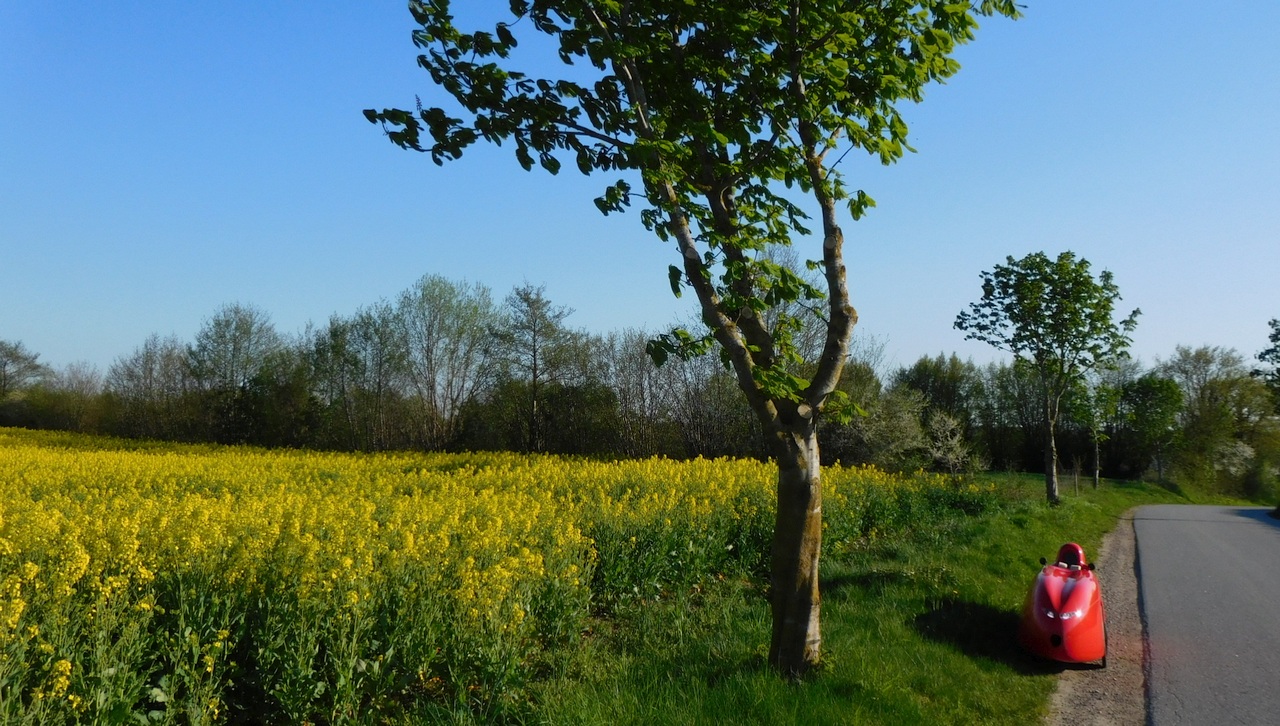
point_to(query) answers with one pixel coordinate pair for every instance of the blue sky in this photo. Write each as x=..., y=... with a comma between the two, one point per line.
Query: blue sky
x=160, y=159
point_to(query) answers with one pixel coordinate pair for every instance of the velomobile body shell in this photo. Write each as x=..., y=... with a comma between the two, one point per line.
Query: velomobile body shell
x=1063, y=617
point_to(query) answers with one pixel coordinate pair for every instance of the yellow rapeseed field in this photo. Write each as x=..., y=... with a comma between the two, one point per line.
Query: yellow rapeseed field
x=194, y=584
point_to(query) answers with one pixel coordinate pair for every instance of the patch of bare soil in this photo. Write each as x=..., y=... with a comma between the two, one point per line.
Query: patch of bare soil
x=1113, y=695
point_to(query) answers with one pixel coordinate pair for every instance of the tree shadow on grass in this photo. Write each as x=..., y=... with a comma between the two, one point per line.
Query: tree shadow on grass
x=981, y=631
x=874, y=579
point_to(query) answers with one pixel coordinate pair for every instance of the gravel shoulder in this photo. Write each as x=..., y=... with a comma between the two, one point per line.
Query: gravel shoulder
x=1113, y=695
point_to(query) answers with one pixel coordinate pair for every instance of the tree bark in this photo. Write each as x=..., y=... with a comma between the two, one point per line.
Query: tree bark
x=1097, y=462
x=797, y=543
x=1050, y=452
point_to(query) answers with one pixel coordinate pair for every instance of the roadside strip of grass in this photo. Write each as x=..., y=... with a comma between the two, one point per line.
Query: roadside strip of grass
x=918, y=628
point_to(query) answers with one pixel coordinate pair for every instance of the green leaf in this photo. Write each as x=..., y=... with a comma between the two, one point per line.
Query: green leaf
x=505, y=36
x=675, y=276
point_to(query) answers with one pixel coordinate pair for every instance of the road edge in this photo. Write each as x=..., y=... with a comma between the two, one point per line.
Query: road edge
x=1116, y=694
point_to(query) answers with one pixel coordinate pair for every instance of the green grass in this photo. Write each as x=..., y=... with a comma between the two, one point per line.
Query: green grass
x=918, y=628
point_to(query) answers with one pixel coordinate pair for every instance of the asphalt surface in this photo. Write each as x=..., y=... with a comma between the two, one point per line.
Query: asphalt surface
x=1209, y=590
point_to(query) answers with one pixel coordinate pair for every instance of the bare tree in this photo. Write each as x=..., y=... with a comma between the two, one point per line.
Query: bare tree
x=232, y=346
x=644, y=396
x=149, y=386
x=78, y=387
x=19, y=368
x=448, y=349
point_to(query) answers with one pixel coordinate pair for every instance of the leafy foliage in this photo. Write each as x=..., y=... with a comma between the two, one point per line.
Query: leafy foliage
x=1151, y=406
x=719, y=109
x=1051, y=312
x=1271, y=357
x=1056, y=316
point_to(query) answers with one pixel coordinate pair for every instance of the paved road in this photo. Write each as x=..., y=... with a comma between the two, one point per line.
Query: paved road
x=1209, y=585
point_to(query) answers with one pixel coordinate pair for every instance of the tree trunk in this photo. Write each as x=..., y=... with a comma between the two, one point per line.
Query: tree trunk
x=1050, y=456
x=1097, y=462
x=797, y=543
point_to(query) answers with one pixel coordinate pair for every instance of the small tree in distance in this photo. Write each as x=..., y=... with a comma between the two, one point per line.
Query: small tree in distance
x=1057, y=317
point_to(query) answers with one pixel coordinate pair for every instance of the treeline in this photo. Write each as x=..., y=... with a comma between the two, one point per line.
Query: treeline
x=444, y=366
x=1200, y=418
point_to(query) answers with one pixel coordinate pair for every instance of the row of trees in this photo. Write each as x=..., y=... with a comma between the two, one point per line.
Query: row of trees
x=442, y=366
x=1199, y=418
x=445, y=367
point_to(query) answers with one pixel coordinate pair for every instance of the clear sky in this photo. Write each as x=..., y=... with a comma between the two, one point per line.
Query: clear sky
x=160, y=159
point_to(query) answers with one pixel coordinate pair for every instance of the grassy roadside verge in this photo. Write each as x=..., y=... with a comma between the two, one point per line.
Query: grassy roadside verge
x=918, y=627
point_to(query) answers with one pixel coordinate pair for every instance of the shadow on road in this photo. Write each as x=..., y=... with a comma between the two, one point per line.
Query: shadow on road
x=1265, y=516
x=982, y=631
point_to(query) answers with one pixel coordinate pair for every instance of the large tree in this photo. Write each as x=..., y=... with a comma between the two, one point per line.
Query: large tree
x=723, y=112
x=1058, y=317
x=1226, y=422
x=232, y=346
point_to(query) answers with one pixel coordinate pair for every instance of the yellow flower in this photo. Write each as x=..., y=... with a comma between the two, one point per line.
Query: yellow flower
x=60, y=678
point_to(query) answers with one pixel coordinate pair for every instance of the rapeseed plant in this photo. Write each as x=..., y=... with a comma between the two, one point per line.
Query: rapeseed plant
x=198, y=584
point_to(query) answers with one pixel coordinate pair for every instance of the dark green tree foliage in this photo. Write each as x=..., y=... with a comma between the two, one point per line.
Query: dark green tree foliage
x=948, y=384
x=279, y=406
x=1150, y=406
x=1091, y=405
x=1009, y=416
x=150, y=392
x=715, y=110
x=1271, y=359
x=230, y=351
x=1056, y=316
x=375, y=349
x=1229, y=438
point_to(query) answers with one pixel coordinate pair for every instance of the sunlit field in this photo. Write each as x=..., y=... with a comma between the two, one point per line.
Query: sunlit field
x=177, y=584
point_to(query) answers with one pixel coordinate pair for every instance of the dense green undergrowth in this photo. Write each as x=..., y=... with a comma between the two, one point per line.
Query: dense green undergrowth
x=918, y=628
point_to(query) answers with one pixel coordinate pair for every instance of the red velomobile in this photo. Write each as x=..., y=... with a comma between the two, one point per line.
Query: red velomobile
x=1062, y=618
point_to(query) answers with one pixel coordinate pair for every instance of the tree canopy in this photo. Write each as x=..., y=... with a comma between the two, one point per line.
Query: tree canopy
x=1055, y=315
x=720, y=108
